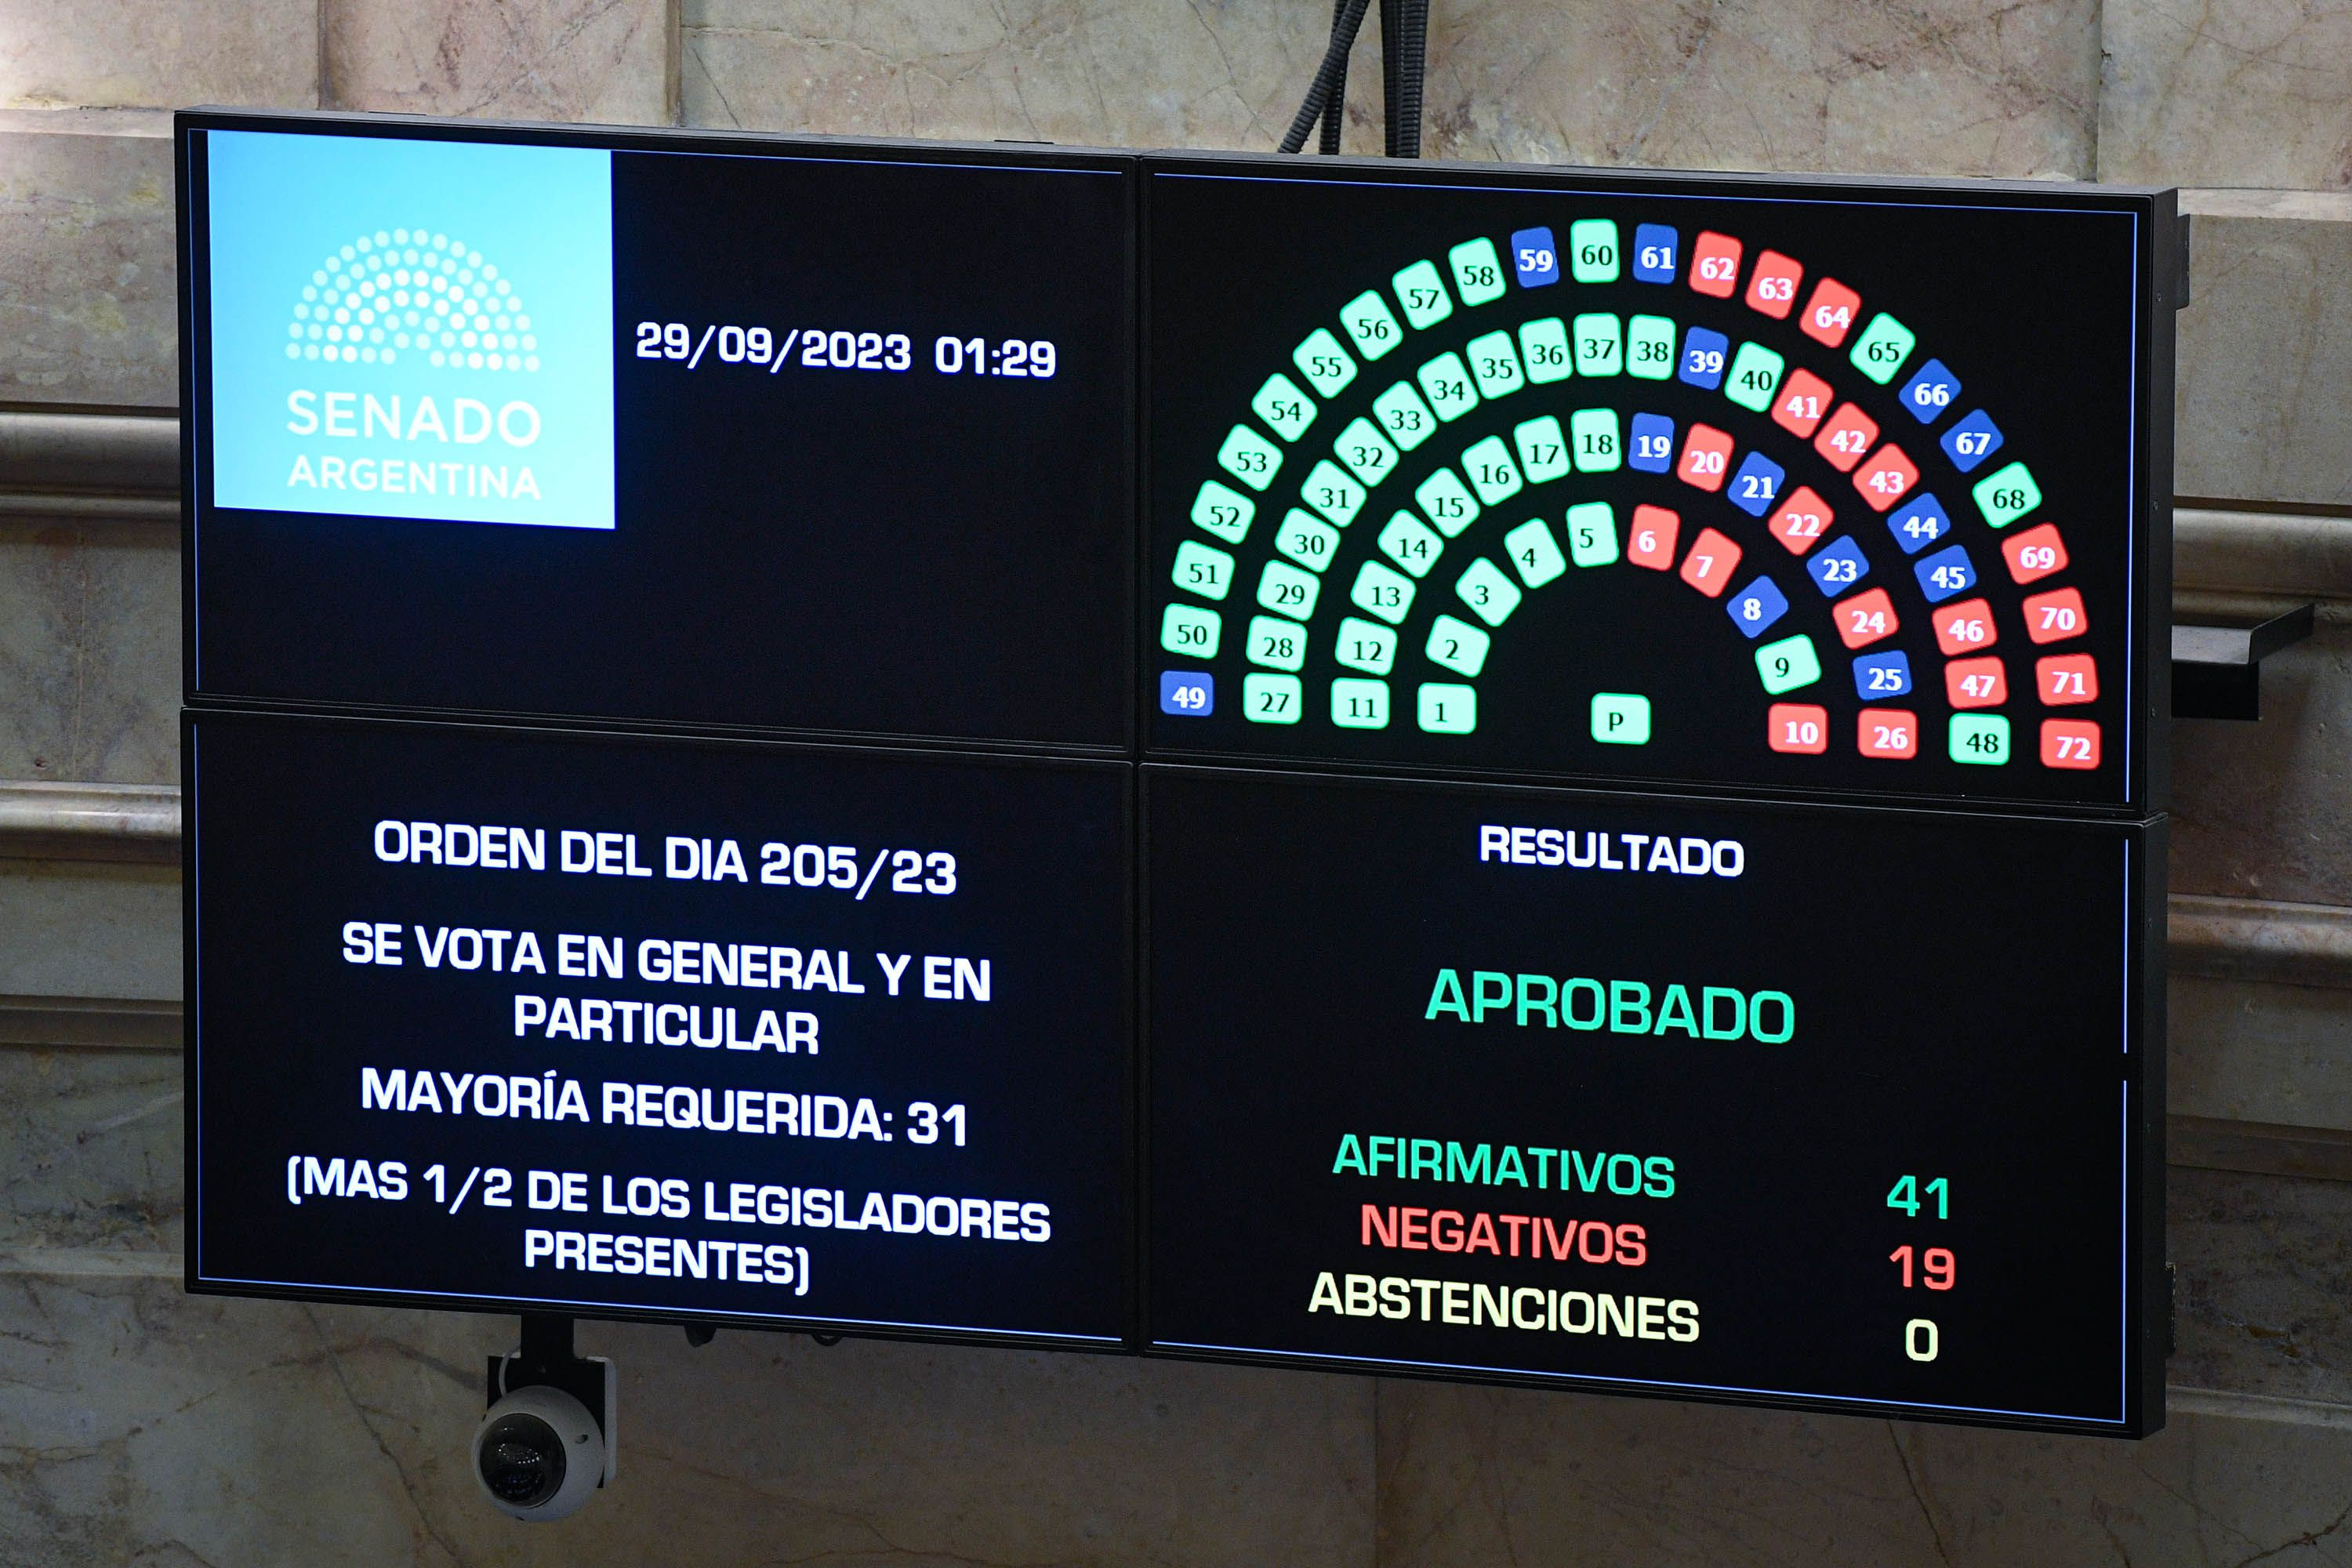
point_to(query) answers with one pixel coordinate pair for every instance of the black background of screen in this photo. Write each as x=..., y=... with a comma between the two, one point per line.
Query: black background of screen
x=2032, y=309
x=867, y=551
x=1961, y=993
x=282, y=813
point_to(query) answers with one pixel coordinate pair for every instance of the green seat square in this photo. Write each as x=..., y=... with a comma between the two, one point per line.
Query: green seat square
x=1447, y=502
x=1359, y=704
x=1223, y=511
x=2007, y=495
x=1422, y=294
x=1600, y=340
x=1203, y=569
x=1381, y=590
x=1403, y=417
x=1882, y=347
x=1365, y=451
x=1371, y=325
x=1494, y=364
x=1593, y=255
x=1650, y=348
x=1543, y=345
x=1308, y=541
x=1277, y=643
x=1980, y=739
x=1477, y=271
x=1788, y=664
x=1334, y=492
x=1448, y=708
x=1621, y=719
x=1491, y=596
x=1366, y=645
x=1534, y=552
x=1754, y=377
x=1595, y=442
x=1445, y=382
x=1592, y=534
x=1543, y=449
x=1411, y=544
x=1459, y=645
x=1249, y=458
x=1327, y=366
x=1272, y=698
x=1287, y=590
x=1492, y=473
x=1286, y=410
x=1190, y=631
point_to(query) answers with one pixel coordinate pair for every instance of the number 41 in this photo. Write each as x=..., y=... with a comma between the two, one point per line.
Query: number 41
x=1905, y=1195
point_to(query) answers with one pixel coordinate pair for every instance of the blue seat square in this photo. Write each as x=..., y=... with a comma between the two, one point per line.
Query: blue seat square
x=1535, y=256
x=1756, y=485
x=1657, y=249
x=1946, y=573
x=1188, y=693
x=1704, y=355
x=1838, y=566
x=1918, y=522
x=1758, y=605
x=1929, y=392
x=1971, y=441
x=1653, y=451
x=1877, y=674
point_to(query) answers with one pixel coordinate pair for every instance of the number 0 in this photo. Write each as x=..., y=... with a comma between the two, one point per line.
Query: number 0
x=1920, y=1341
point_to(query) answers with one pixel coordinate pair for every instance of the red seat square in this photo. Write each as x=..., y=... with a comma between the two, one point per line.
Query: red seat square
x=2056, y=615
x=1829, y=313
x=1651, y=540
x=1846, y=437
x=1772, y=287
x=1865, y=618
x=1799, y=727
x=1706, y=458
x=1976, y=682
x=2036, y=553
x=1709, y=564
x=1886, y=732
x=1888, y=477
x=1964, y=627
x=2066, y=678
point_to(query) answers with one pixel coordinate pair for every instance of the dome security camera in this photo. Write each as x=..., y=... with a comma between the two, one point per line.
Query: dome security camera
x=539, y=1453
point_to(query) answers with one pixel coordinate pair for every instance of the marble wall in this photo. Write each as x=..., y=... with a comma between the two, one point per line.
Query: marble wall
x=141, y=1426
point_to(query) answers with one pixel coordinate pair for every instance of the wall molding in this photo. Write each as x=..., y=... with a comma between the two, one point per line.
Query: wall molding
x=58, y=466
x=92, y=1022
x=43, y=821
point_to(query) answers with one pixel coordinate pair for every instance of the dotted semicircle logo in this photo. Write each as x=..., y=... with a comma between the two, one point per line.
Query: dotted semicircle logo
x=411, y=296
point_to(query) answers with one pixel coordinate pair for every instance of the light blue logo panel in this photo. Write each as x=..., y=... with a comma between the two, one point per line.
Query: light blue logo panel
x=412, y=328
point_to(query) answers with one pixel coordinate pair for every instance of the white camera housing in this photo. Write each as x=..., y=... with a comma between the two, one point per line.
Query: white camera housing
x=539, y=1454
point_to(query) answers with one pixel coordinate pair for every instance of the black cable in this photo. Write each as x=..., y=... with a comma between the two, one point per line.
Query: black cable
x=1335, y=65
x=1412, y=64
x=1391, y=24
x=1335, y=110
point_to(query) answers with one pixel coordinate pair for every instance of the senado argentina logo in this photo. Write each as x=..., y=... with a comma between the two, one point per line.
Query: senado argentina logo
x=403, y=300
x=407, y=292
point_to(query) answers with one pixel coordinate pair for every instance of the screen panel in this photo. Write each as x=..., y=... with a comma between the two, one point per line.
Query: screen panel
x=713, y=433
x=1853, y=1109
x=494, y=1018
x=1818, y=486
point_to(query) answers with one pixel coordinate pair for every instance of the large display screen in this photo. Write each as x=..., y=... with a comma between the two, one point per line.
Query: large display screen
x=1540, y=775
x=1741, y=1102
x=497, y=1017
